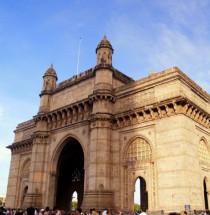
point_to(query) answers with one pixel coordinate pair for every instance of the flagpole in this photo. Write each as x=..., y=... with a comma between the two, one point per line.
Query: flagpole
x=78, y=56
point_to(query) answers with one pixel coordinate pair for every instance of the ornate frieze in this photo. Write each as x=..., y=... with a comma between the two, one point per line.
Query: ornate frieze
x=172, y=107
x=67, y=115
x=133, y=101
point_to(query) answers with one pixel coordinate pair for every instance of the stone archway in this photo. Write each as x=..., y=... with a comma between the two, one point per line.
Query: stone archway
x=70, y=174
x=139, y=161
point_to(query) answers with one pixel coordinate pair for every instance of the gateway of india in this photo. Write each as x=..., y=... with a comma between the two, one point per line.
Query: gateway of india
x=98, y=132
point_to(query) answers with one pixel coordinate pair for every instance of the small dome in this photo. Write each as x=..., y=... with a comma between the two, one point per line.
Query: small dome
x=51, y=72
x=104, y=44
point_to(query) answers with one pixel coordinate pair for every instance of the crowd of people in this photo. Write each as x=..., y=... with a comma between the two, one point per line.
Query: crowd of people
x=54, y=211
x=78, y=211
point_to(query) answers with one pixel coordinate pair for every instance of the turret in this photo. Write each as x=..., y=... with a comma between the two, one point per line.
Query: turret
x=104, y=52
x=50, y=78
x=104, y=73
x=49, y=84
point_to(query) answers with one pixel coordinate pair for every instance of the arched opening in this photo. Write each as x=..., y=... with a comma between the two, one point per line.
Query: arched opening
x=25, y=190
x=74, y=202
x=70, y=169
x=205, y=194
x=141, y=194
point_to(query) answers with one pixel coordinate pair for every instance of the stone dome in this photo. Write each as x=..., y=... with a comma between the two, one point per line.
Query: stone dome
x=51, y=72
x=104, y=44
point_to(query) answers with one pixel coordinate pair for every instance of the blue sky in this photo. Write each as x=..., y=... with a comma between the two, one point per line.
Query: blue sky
x=145, y=34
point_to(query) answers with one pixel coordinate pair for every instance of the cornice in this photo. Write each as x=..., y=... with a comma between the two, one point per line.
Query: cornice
x=158, y=110
x=24, y=145
x=161, y=77
x=65, y=116
x=194, y=87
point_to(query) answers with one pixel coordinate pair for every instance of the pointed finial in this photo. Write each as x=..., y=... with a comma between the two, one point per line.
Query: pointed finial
x=152, y=72
x=104, y=36
x=51, y=66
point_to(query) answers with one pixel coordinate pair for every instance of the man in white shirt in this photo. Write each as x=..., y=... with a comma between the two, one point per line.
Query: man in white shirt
x=104, y=212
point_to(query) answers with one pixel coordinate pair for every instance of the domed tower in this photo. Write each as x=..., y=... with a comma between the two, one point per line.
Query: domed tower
x=49, y=84
x=104, y=52
x=50, y=78
x=104, y=72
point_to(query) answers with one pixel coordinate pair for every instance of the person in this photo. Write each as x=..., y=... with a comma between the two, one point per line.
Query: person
x=62, y=212
x=94, y=211
x=55, y=210
x=90, y=212
x=9, y=212
x=185, y=212
x=46, y=212
x=78, y=211
x=30, y=211
x=19, y=212
x=143, y=212
x=104, y=212
x=42, y=212
x=108, y=212
x=2, y=211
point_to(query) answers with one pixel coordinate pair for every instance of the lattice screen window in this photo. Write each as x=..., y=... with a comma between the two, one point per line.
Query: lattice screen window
x=203, y=152
x=26, y=168
x=139, y=149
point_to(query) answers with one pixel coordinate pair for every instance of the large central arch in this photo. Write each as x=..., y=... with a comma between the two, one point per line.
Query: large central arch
x=70, y=174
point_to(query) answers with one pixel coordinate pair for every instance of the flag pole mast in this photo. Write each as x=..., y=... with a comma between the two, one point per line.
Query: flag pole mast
x=78, y=56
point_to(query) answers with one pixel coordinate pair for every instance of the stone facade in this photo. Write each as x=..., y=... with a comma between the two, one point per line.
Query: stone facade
x=99, y=131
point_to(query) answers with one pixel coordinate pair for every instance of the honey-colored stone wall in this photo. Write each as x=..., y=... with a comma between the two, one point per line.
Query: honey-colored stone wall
x=72, y=94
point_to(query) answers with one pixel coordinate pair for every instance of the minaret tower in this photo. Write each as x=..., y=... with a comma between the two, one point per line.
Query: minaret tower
x=49, y=84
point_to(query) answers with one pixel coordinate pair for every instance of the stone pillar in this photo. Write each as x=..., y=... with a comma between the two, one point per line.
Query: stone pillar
x=37, y=177
x=13, y=182
x=51, y=190
x=98, y=194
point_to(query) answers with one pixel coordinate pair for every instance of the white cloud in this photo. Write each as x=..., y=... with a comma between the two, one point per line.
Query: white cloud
x=166, y=43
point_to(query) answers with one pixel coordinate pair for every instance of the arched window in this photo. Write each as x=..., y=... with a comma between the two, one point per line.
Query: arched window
x=203, y=152
x=139, y=149
x=26, y=168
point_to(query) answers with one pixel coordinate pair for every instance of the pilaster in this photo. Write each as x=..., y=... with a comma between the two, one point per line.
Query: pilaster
x=37, y=177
